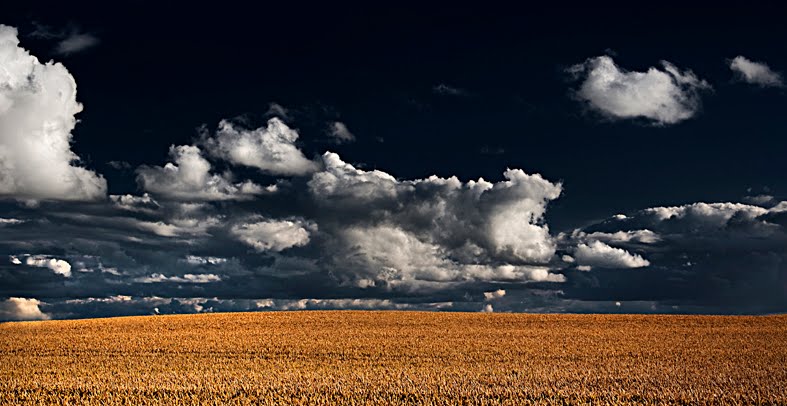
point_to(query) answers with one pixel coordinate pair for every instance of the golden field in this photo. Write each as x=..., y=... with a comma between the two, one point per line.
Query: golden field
x=353, y=358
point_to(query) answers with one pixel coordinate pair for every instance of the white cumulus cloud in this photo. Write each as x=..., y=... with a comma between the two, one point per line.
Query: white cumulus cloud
x=496, y=294
x=273, y=235
x=663, y=95
x=17, y=308
x=756, y=73
x=37, y=114
x=598, y=254
x=270, y=149
x=58, y=266
x=340, y=133
x=190, y=178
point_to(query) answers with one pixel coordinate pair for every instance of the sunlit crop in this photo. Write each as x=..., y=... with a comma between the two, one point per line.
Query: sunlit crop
x=395, y=357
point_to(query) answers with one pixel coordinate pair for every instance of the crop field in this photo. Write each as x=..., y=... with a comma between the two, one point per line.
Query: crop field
x=353, y=358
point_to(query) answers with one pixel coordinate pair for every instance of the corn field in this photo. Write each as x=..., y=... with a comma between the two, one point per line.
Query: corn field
x=354, y=358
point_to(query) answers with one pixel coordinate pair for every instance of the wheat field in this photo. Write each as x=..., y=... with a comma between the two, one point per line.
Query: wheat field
x=353, y=358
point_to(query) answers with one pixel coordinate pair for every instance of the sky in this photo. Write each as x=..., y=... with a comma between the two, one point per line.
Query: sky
x=159, y=159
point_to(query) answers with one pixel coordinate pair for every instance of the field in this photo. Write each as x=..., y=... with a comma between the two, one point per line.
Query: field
x=395, y=357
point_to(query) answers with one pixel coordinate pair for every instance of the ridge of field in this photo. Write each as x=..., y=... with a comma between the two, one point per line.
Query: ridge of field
x=370, y=357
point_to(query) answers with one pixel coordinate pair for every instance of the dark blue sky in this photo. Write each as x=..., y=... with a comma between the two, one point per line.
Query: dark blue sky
x=464, y=91
x=161, y=71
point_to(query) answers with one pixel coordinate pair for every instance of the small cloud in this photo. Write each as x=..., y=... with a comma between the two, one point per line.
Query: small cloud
x=58, y=266
x=488, y=309
x=487, y=150
x=756, y=73
x=760, y=200
x=277, y=110
x=197, y=260
x=596, y=253
x=10, y=221
x=663, y=95
x=340, y=133
x=584, y=268
x=76, y=42
x=446, y=90
x=119, y=165
x=187, y=278
x=496, y=294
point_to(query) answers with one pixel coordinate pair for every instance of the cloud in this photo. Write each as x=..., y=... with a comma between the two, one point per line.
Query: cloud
x=340, y=133
x=598, y=254
x=663, y=96
x=71, y=39
x=58, y=266
x=639, y=236
x=721, y=257
x=273, y=235
x=756, y=73
x=189, y=178
x=144, y=203
x=497, y=294
x=18, y=309
x=7, y=221
x=76, y=42
x=197, y=260
x=424, y=234
x=37, y=114
x=187, y=278
x=488, y=308
x=446, y=90
x=119, y=165
x=503, y=219
x=270, y=149
x=277, y=110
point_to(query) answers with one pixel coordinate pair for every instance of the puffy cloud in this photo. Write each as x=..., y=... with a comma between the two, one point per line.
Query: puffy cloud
x=503, y=219
x=663, y=96
x=756, y=73
x=700, y=216
x=496, y=294
x=341, y=180
x=270, y=149
x=340, y=133
x=190, y=179
x=144, y=203
x=273, y=235
x=58, y=266
x=17, y=308
x=37, y=114
x=389, y=257
x=426, y=233
x=76, y=42
x=488, y=308
x=602, y=255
